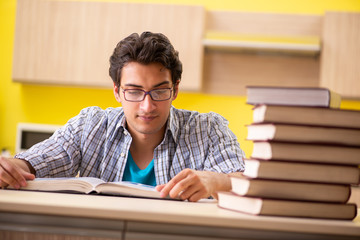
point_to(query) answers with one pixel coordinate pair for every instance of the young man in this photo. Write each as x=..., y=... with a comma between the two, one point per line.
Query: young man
x=183, y=153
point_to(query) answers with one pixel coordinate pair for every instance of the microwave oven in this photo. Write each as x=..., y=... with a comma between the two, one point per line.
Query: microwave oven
x=28, y=134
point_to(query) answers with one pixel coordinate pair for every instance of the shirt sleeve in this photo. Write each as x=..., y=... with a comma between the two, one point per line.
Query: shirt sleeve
x=60, y=155
x=224, y=154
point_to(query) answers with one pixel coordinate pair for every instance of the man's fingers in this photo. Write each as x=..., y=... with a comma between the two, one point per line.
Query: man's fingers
x=180, y=187
x=159, y=187
x=172, y=188
x=17, y=174
x=3, y=184
x=11, y=175
x=197, y=196
x=167, y=187
x=188, y=192
x=28, y=176
x=188, y=184
x=8, y=179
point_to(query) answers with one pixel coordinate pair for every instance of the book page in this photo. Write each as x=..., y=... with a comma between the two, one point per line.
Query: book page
x=139, y=186
x=76, y=184
x=128, y=189
x=93, y=181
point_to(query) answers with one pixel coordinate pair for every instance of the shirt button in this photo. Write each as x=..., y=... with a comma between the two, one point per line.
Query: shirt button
x=122, y=154
x=125, y=132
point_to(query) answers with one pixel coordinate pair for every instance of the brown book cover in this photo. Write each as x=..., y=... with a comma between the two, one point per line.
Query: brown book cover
x=293, y=96
x=290, y=190
x=316, y=116
x=286, y=208
x=304, y=172
x=303, y=134
x=306, y=152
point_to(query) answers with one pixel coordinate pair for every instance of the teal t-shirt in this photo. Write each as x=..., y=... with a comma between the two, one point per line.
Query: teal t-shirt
x=133, y=173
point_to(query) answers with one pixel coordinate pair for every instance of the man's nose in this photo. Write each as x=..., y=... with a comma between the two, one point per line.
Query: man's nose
x=147, y=105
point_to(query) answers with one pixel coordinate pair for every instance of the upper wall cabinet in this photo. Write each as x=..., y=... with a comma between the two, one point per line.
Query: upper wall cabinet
x=269, y=49
x=308, y=51
x=69, y=42
x=340, y=59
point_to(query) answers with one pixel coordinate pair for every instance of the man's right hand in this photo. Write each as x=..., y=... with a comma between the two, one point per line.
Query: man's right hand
x=14, y=172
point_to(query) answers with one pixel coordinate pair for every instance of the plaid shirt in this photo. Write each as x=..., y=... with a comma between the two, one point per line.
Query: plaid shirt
x=96, y=143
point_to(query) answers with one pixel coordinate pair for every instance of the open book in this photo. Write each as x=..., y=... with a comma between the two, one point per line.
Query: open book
x=89, y=185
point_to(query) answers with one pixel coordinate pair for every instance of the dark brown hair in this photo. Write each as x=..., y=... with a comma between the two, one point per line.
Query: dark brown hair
x=146, y=48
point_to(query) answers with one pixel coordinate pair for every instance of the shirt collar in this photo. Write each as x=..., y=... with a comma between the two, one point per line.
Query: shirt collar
x=173, y=124
x=121, y=124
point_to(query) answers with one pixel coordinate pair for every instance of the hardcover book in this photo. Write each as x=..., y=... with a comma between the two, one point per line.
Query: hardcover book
x=303, y=134
x=290, y=190
x=286, y=208
x=306, y=152
x=306, y=116
x=294, y=96
x=303, y=172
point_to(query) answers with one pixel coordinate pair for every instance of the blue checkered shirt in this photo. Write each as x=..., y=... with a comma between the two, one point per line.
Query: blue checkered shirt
x=96, y=143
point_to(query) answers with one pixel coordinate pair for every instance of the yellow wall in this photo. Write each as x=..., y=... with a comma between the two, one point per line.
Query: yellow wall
x=55, y=105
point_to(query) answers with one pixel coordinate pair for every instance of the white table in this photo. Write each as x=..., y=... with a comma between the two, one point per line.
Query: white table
x=34, y=214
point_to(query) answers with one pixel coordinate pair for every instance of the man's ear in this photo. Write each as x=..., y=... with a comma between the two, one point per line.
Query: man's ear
x=176, y=90
x=117, y=93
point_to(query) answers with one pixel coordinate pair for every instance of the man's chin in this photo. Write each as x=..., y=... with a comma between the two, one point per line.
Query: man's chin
x=148, y=131
x=148, y=128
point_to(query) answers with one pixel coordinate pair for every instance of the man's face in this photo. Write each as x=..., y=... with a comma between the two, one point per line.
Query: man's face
x=147, y=116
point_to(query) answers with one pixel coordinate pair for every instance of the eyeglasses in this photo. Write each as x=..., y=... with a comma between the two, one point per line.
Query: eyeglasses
x=138, y=95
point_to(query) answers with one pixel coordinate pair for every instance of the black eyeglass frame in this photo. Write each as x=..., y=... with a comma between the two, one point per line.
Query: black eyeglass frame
x=147, y=93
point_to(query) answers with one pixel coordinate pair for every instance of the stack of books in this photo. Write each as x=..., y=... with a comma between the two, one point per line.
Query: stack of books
x=305, y=158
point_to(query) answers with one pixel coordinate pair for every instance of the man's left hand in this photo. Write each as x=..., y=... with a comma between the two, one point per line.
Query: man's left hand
x=193, y=185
